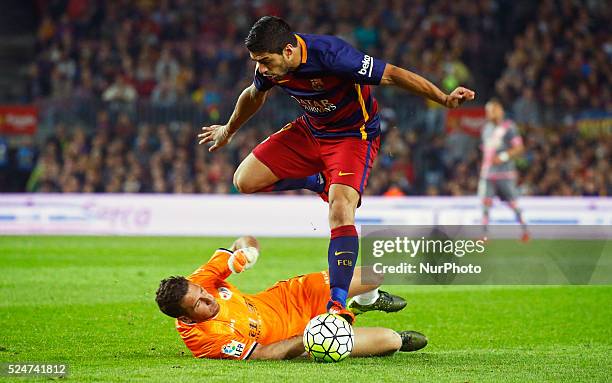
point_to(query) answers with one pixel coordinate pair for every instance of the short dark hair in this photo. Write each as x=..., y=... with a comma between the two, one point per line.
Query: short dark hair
x=169, y=295
x=270, y=34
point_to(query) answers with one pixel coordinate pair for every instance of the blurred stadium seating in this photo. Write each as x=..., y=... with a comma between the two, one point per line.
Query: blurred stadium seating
x=122, y=87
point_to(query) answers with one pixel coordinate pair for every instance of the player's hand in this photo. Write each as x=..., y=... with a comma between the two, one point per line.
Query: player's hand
x=242, y=259
x=458, y=97
x=219, y=135
x=501, y=158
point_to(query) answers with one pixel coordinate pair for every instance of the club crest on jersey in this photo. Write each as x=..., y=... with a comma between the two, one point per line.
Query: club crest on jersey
x=224, y=293
x=317, y=84
x=234, y=348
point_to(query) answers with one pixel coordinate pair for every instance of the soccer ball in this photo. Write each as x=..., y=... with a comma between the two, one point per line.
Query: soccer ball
x=328, y=338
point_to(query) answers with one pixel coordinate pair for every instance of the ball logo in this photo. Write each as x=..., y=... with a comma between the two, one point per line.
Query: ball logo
x=366, y=63
x=224, y=293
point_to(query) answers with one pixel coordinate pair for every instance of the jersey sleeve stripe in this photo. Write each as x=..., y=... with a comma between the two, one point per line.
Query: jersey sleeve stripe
x=248, y=354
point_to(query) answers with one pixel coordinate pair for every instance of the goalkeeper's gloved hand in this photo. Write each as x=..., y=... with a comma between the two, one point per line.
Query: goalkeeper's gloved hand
x=242, y=259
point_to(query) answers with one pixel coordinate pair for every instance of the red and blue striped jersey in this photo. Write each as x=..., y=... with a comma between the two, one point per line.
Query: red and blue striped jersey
x=332, y=86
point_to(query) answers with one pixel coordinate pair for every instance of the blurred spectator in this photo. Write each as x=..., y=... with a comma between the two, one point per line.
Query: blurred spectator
x=166, y=68
x=164, y=93
x=120, y=91
x=525, y=108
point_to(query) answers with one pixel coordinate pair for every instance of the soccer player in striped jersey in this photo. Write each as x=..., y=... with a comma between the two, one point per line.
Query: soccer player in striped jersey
x=331, y=147
x=501, y=144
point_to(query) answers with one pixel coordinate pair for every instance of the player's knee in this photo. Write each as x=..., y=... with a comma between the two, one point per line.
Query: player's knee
x=341, y=212
x=487, y=202
x=242, y=184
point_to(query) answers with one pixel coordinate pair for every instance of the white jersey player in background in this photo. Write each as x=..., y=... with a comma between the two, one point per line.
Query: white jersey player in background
x=501, y=144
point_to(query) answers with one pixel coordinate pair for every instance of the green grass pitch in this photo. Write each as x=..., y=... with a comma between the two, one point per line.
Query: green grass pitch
x=89, y=302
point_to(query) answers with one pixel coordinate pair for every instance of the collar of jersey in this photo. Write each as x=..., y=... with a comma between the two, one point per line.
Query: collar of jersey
x=303, y=48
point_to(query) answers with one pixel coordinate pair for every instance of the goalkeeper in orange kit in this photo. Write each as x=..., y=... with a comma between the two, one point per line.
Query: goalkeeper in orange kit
x=216, y=320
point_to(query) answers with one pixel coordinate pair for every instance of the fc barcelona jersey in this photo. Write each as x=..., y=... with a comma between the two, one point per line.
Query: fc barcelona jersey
x=332, y=86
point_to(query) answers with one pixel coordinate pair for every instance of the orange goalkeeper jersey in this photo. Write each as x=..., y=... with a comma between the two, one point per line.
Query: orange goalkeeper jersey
x=244, y=320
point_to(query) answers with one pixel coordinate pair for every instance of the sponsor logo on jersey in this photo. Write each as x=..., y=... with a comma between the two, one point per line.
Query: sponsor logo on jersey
x=254, y=328
x=325, y=277
x=224, y=293
x=254, y=324
x=366, y=66
x=315, y=106
x=233, y=348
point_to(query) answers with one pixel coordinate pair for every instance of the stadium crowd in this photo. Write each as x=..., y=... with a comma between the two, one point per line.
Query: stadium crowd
x=124, y=52
x=178, y=51
x=560, y=65
x=164, y=159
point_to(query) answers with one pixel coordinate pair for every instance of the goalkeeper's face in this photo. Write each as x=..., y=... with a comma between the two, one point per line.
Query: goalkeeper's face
x=198, y=304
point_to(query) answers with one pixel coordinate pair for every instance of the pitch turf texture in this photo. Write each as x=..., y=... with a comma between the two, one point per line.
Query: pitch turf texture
x=89, y=302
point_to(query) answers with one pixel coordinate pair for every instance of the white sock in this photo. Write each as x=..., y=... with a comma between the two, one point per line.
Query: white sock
x=367, y=298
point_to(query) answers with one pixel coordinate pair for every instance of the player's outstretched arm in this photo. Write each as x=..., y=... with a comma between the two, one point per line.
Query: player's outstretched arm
x=249, y=102
x=245, y=254
x=284, y=349
x=412, y=82
x=245, y=241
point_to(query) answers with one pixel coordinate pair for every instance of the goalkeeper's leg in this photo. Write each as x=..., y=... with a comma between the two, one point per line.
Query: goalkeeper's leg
x=368, y=296
x=380, y=341
x=375, y=341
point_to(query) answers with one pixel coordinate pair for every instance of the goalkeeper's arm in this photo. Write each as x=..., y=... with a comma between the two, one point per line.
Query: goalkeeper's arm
x=246, y=241
x=245, y=251
x=284, y=349
x=242, y=256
